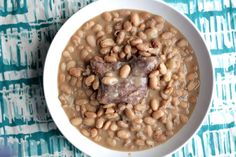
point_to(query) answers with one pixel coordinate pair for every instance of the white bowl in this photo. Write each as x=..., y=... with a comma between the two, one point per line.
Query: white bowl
x=67, y=30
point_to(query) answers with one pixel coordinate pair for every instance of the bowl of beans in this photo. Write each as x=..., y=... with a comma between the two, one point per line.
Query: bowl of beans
x=128, y=78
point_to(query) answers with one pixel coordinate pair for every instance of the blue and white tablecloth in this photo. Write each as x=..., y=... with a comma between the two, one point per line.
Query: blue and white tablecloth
x=28, y=26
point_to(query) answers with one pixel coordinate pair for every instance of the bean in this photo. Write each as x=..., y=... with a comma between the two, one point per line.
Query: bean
x=127, y=26
x=192, y=99
x=93, y=132
x=188, y=59
x=96, y=84
x=110, y=59
x=91, y=40
x=76, y=72
x=97, y=28
x=159, y=19
x=100, y=112
x=82, y=109
x=148, y=130
x=167, y=35
x=142, y=27
x=80, y=33
x=149, y=120
x=79, y=82
x=89, y=121
x=113, y=127
x=141, y=135
x=175, y=101
x=93, y=101
x=183, y=104
x=151, y=23
x=142, y=47
x=162, y=69
x=129, y=113
x=108, y=29
x=105, y=50
x=151, y=33
x=63, y=66
x=145, y=16
x=98, y=138
x=167, y=76
x=84, y=54
x=154, y=104
x=89, y=80
x=70, y=65
x=182, y=43
x=122, y=55
x=107, y=43
x=112, y=116
x=169, y=133
x=192, y=76
x=127, y=49
x=183, y=118
x=169, y=125
x=125, y=71
x=122, y=124
x=120, y=37
x=88, y=25
x=138, y=120
x=116, y=49
x=107, y=16
x=89, y=92
x=118, y=26
x=144, y=54
x=100, y=35
x=62, y=78
x=161, y=138
x=158, y=114
x=160, y=27
x=107, y=125
x=136, y=127
x=109, y=105
x=110, y=133
x=135, y=19
x=137, y=41
x=85, y=132
x=76, y=121
x=115, y=14
x=111, y=142
x=81, y=101
x=154, y=83
x=100, y=122
x=140, y=107
x=109, y=80
x=66, y=54
x=150, y=142
x=123, y=134
x=154, y=73
x=142, y=35
x=70, y=49
x=193, y=85
x=90, y=114
x=139, y=142
x=109, y=110
x=171, y=64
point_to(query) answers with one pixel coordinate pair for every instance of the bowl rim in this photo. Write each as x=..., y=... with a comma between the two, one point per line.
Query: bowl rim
x=47, y=73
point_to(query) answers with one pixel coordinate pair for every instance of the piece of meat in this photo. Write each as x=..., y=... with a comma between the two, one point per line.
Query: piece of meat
x=99, y=67
x=141, y=66
x=131, y=90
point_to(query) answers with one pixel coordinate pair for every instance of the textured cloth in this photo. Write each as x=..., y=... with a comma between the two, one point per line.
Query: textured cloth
x=28, y=26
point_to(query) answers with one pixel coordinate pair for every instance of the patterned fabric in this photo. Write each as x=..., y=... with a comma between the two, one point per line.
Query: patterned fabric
x=28, y=26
